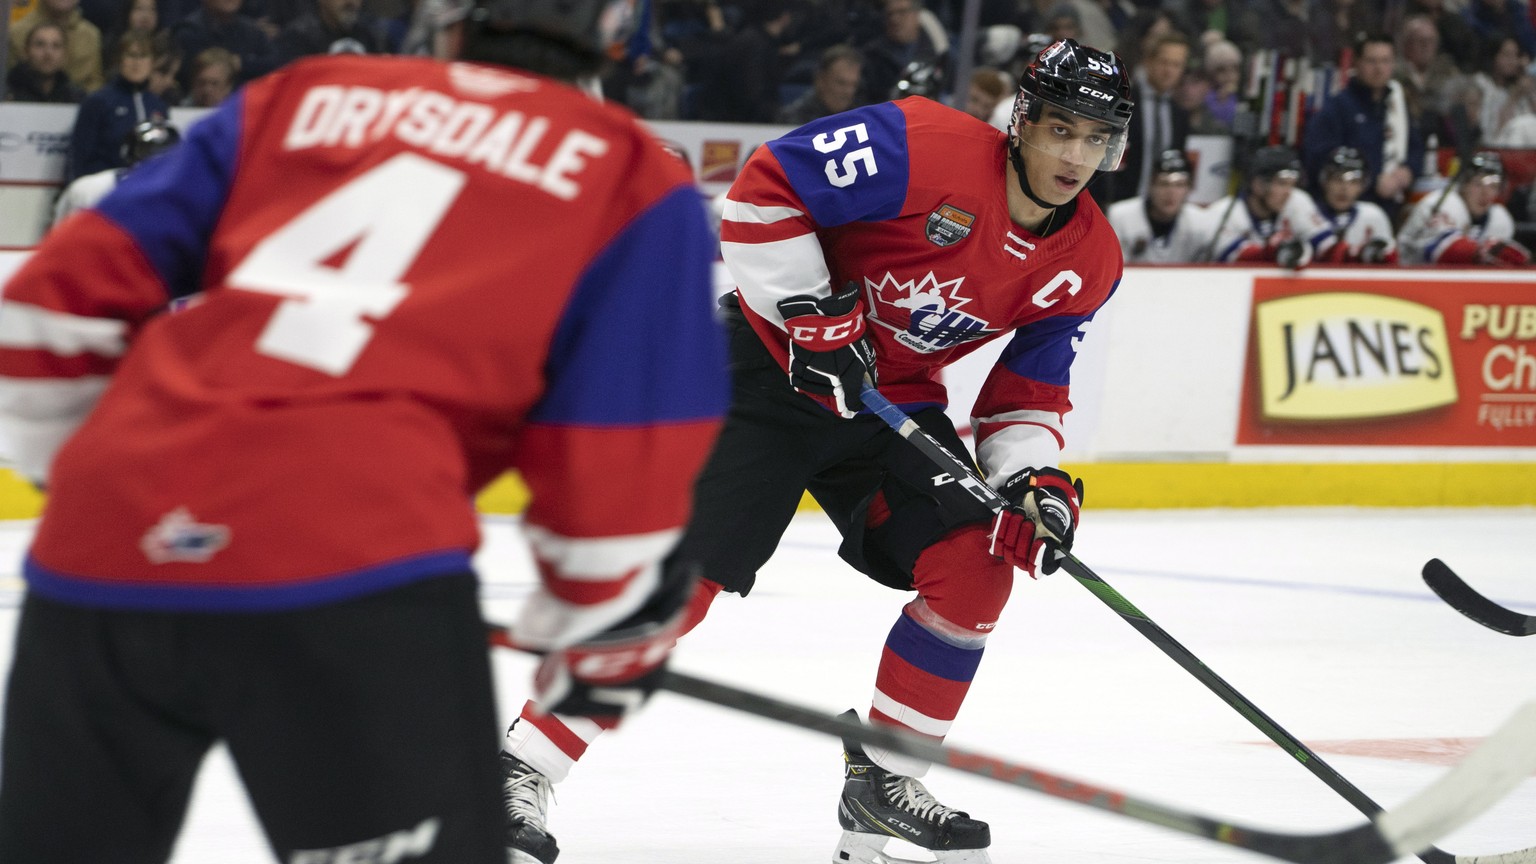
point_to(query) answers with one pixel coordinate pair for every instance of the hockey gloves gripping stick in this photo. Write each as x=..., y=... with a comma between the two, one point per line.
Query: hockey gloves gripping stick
x=617, y=670
x=1041, y=518
x=829, y=352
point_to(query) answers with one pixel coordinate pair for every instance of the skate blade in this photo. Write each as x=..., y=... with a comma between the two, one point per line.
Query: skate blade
x=856, y=847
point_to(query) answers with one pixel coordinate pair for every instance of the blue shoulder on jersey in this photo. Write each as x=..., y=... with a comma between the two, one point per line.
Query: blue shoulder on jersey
x=185, y=190
x=848, y=167
x=652, y=284
x=1043, y=350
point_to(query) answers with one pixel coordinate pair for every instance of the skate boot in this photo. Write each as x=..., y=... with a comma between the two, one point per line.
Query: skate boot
x=525, y=796
x=878, y=805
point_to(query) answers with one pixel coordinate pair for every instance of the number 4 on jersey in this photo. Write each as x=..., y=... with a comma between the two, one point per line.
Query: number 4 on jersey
x=386, y=215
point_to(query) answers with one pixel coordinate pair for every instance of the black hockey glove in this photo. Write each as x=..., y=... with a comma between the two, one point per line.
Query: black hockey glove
x=829, y=352
x=1374, y=251
x=1293, y=253
x=1042, y=517
x=616, y=671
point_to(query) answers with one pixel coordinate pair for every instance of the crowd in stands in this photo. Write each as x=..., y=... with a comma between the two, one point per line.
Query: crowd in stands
x=1409, y=85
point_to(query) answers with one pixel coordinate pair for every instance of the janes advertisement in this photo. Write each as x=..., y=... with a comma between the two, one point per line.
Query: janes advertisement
x=1379, y=362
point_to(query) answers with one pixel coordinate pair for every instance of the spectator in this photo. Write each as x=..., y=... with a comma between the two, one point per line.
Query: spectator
x=987, y=94
x=1290, y=27
x=334, y=27
x=107, y=116
x=82, y=40
x=834, y=89
x=1223, y=65
x=741, y=82
x=1160, y=122
x=220, y=24
x=1270, y=220
x=40, y=76
x=1361, y=230
x=214, y=73
x=1463, y=129
x=1456, y=36
x=167, y=72
x=1063, y=22
x=1371, y=115
x=1162, y=227
x=645, y=73
x=1424, y=72
x=1139, y=33
x=1094, y=26
x=1204, y=20
x=1493, y=20
x=142, y=16
x=144, y=140
x=1341, y=24
x=1509, y=96
x=903, y=52
x=1465, y=224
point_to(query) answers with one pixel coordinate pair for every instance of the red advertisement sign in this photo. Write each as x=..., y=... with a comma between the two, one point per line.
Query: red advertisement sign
x=1379, y=362
x=720, y=161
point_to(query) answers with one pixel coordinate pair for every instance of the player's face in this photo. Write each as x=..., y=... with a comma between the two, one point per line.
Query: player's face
x=1341, y=189
x=1275, y=191
x=1061, y=151
x=1168, y=194
x=1480, y=192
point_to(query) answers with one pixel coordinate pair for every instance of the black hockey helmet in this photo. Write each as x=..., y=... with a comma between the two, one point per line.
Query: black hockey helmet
x=146, y=139
x=1269, y=163
x=1082, y=81
x=1482, y=163
x=1172, y=161
x=561, y=38
x=1342, y=162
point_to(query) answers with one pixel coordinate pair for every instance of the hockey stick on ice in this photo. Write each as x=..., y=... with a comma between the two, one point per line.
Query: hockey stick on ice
x=967, y=477
x=1500, y=764
x=1465, y=599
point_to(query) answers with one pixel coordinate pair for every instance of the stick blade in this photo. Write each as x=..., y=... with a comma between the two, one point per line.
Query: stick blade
x=1464, y=599
x=1502, y=762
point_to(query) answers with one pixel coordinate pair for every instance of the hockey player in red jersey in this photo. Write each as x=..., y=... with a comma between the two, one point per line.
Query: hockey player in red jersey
x=394, y=278
x=889, y=241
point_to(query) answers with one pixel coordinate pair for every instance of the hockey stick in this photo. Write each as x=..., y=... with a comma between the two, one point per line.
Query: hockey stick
x=1500, y=764
x=968, y=478
x=1465, y=599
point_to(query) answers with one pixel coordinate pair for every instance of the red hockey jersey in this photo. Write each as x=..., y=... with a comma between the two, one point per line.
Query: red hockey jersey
x=390, y=280
x=909, y=200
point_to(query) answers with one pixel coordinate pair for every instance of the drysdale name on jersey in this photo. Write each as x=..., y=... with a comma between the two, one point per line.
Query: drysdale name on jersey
x=436, y=123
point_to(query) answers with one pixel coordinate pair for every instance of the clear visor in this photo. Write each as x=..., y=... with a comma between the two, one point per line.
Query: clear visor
x=1288, y=175
x=1075, y=139
x=1491, y=180
x=1346, y=176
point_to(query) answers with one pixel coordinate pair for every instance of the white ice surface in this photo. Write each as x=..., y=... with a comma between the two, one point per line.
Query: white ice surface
x=1317, y=616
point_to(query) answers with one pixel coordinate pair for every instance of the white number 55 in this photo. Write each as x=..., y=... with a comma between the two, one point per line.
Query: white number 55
x=825, y=143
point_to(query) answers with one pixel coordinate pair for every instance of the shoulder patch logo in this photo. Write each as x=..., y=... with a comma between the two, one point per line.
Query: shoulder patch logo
x=180, y=538
x=949, y=225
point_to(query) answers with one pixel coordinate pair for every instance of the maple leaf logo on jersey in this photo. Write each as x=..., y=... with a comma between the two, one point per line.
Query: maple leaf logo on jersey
x=924, y=313
x=179, y=537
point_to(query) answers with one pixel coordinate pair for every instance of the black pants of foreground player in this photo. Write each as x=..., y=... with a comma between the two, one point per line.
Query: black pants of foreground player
x=362, y=730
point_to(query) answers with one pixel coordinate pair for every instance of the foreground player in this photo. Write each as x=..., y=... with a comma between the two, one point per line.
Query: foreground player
x=1465, y=224
x=406, y=276
x=877, y=241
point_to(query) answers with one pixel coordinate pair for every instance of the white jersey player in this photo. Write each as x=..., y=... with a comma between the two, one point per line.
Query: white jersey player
x=1162, y=227
x=1465, y=224
x=143, y=141
x=1271, y=220
x=1362, y=230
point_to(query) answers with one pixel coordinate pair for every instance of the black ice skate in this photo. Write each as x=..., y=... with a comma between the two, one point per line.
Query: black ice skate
x=878, y=805
x=525, y=796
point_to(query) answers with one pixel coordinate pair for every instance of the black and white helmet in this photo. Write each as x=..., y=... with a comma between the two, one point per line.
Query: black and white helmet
x=1172, y=161
x=1345, y=162
x=1081, y=81
x=1484, y=163
x=1274, y=162
x=146, y=139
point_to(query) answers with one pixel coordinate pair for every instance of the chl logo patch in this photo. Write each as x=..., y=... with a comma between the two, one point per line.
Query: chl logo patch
x=949, y=225
x=179, y=537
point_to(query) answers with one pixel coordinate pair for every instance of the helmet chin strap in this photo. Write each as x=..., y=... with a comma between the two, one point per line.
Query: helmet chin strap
x=1018, y=168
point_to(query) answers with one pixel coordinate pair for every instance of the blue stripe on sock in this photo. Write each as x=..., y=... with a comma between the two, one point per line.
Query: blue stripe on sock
x=915, y=644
